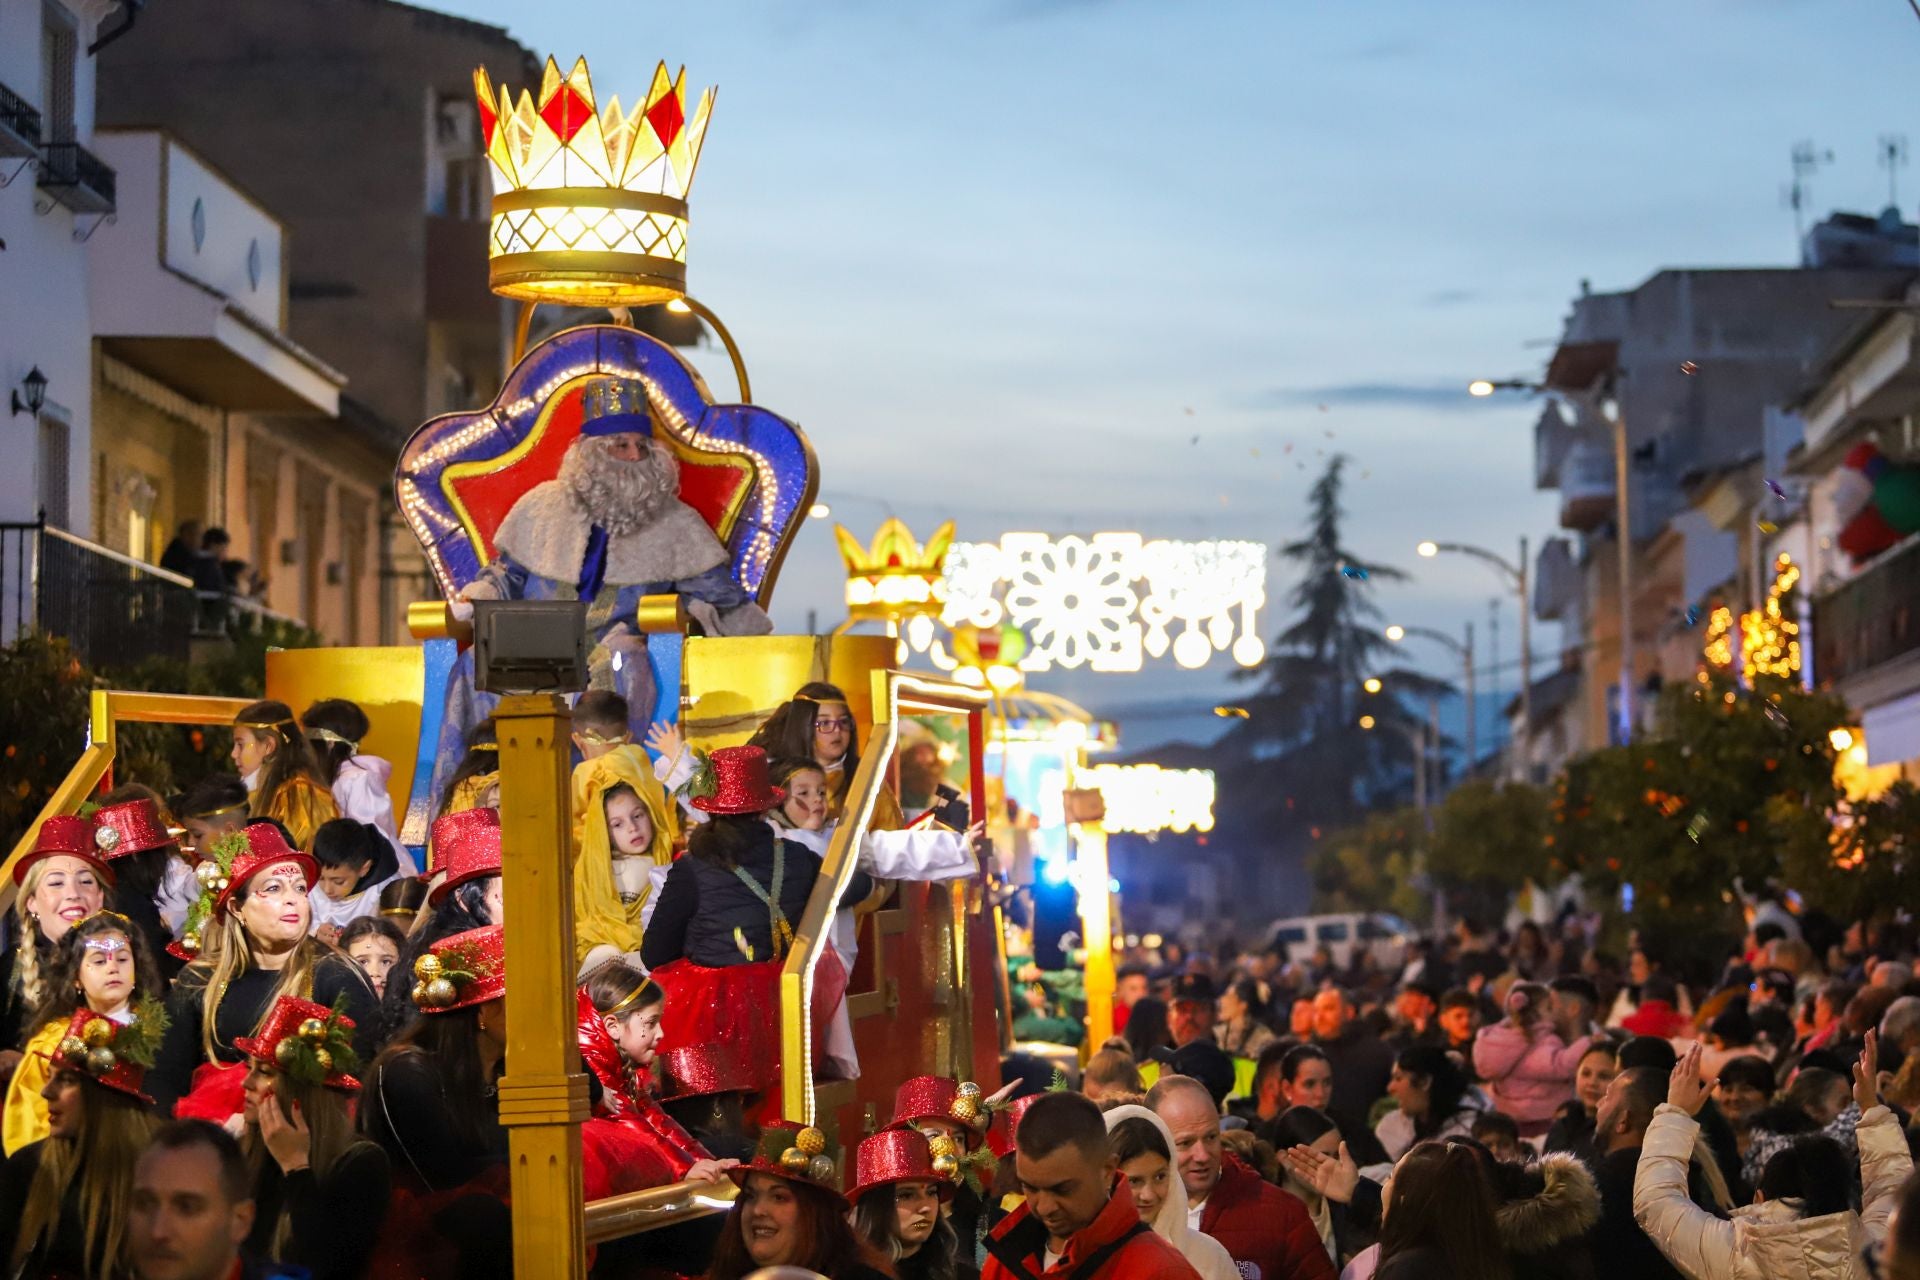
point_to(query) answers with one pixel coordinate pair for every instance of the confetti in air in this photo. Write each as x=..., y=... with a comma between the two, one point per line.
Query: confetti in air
x=1232, y=713
x=1353, y=571
x=1689, y=368
x=1766, y=526
x=1773, y=487
x=1697, y=827
x=1693, y=614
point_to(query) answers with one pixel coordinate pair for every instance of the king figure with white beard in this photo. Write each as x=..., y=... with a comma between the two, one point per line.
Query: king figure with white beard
x=610, y=528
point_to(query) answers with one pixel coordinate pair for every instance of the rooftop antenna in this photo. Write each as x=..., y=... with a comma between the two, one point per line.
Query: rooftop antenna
x=1806, y=159
x=1893, y=158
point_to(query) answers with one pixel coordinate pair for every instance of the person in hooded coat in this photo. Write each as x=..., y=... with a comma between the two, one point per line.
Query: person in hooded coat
x=1208, y=1256
x=1802, y=1223
x=1547, y=1210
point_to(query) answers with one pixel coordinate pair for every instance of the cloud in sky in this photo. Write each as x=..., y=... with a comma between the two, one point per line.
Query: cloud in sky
x=1448, y=396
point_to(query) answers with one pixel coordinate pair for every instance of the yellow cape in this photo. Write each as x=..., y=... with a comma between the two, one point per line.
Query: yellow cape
x=302, y=805
x=599, y=917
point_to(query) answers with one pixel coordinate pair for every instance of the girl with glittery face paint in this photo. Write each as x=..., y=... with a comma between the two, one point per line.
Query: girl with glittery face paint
x=101, y=964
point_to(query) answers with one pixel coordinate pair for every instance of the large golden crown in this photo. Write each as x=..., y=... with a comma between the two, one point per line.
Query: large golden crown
x=590, y=205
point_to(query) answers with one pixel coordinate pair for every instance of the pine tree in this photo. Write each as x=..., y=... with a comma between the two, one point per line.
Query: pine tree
x=1301, y=754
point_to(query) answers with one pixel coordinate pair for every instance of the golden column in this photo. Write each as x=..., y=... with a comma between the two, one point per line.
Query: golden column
x=543, y=1096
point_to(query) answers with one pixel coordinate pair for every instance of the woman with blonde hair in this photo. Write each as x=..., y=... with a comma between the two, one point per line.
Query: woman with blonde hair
x=64, y=1199
x=255, y=915
x=62, y=880
x=283, y=779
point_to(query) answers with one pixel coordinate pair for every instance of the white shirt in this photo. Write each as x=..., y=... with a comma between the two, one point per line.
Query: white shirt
x=1194, y=1213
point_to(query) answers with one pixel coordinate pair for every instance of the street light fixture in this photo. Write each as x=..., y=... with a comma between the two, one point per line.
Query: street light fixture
x=1372, y=684
x=1516, y=575
x=35, y=385
x=1607, y=406
x=1366, y=722
x=1397, y=633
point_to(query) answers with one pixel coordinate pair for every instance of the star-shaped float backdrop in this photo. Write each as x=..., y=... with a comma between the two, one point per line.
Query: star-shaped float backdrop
x=749, y=472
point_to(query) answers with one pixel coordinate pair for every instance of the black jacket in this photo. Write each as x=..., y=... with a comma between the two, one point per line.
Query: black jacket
x=65, y=1252
x=1620, y=1247
x=334, y=1220
x=707, y=914
x=1546, y=1213
x=1361, y=1063
x=239, y=1014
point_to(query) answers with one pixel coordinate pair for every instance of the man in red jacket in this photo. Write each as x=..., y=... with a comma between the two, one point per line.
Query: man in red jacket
x=1079, y=1222
x=1267, y=1231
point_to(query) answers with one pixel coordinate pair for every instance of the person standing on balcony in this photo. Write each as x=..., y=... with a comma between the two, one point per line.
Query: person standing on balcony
x=182, y=555
x=282, y=777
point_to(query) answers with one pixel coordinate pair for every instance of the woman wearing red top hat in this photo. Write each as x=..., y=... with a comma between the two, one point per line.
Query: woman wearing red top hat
x=726, y=917
x=101, y=965
x=63, y=880
x=431, y=1102
x=708, y=1090
x=63, y=1200
x=790, y=1213
x=319, y=1190
x=250, y=929
x=465, y=895
x=142, y=854
x=897, y=1198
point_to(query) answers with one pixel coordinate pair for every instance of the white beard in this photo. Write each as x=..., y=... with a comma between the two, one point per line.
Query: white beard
x=619, y=495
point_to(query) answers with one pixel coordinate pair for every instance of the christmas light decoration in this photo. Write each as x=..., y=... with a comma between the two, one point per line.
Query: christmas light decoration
x=1719, y=643
x=1769, y=636
x=1144, y=798
x=1110, y=601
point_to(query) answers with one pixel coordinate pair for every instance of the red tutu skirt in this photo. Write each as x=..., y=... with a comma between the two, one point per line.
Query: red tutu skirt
x=219, y=1093
x=413, y=1245
x=739, y=1005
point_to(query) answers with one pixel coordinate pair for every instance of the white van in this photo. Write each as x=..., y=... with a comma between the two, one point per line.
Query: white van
x=1385, y=936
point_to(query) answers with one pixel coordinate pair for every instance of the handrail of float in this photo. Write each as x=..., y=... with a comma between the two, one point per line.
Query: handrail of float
x=109, y=707
x=926, y=693
x=655, y=1207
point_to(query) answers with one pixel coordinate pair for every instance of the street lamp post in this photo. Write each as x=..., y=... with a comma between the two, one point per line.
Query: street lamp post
x=1616, y=420
x=1517, y=578
x=1397, y=633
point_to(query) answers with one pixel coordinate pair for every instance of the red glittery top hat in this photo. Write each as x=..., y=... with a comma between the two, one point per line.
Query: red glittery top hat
x=896, y=1155
x=108, y=1054
x=307, y=1041
x=739, y=783
x=462, y=970
x=1006, y=1122
x=62, y=837
x=466, y=845
x=702, y=1070
x=923, y=1098
x=788, y=1151
x=121, y=830
x=266, y=848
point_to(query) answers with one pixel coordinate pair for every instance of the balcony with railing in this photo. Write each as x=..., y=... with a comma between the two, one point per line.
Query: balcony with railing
x=1871, y=619
x=1586, y=486
x=73, y=176
x=115, y=611
x=19, y=127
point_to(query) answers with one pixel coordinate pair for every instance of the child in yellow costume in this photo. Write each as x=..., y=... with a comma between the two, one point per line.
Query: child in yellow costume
x=623, y=828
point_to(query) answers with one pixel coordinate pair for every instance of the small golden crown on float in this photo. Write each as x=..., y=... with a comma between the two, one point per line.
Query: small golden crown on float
x=590, y=203
x=895, y=575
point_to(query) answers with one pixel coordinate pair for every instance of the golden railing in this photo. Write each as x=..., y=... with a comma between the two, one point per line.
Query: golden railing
x=110, y=707
x=894, y=692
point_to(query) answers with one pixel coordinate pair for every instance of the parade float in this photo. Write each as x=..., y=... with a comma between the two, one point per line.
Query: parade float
x=590, y=211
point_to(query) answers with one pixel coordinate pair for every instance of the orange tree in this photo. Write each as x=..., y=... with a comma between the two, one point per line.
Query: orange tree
x=1731, y=785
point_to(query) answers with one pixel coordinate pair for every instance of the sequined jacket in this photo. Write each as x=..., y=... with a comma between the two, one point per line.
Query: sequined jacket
x=1771, y=1238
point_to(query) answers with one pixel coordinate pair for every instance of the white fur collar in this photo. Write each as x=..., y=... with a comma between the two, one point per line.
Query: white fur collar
x=547, y=533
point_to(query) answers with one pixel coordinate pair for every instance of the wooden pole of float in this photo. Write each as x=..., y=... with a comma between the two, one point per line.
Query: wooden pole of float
x=543, y=1096
x=1096, y=925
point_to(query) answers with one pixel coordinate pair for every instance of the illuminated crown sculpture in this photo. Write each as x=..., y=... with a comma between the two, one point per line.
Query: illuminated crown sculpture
x=590, y=204
x=895, y=578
